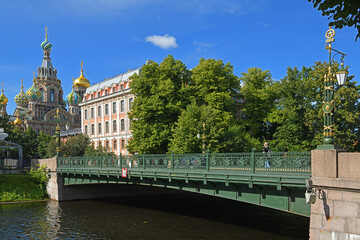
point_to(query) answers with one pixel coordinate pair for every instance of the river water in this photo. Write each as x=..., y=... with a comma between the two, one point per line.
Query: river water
x=168, y=216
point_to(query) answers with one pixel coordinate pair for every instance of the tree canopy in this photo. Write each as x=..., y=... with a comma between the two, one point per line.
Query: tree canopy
x=344, y=13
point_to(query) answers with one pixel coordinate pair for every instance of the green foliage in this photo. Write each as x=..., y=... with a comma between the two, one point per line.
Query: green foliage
x=46, y=145
x=259, y=95
x=99, y=151
x=75, y=146
x=160, y=97
x=39, y=176
x=19, y=187
x=344, y=13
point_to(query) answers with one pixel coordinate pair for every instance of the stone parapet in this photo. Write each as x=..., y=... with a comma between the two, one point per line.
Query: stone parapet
x=336, y=180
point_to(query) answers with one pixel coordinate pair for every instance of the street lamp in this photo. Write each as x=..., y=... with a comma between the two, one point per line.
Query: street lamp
x=329, y=91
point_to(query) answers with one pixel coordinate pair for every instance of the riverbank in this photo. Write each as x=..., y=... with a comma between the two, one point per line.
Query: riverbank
x=20, y=187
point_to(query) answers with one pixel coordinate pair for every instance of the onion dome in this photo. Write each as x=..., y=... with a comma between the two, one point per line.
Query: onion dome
x=81, y=81
x=33, y=93
x=73, y=98
x=21, y=99
x=17, y=121
x=3, y=98
x=46, y=45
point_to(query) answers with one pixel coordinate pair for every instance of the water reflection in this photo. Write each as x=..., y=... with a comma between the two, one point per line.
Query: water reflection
x=176, y=216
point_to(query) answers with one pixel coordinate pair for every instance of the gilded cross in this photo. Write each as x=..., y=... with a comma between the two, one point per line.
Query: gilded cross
x=46, y=36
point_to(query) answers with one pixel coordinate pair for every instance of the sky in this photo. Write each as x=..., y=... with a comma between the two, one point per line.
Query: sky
x=112, y=36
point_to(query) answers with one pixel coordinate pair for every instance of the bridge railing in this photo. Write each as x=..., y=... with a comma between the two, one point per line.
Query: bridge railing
x=297, y=162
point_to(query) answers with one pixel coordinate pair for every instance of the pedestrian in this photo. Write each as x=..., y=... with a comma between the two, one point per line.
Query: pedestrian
x=267, y=153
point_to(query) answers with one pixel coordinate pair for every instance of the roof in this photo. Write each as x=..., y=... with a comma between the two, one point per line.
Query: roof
x=108, y=82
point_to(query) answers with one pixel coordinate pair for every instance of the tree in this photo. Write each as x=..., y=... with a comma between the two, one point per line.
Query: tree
x=344, y=13
x=259, y=96
x=213, y=88
x=46, y=145
x=99, y=151
x=160, y=97
x=75, y=146
x=296, y=97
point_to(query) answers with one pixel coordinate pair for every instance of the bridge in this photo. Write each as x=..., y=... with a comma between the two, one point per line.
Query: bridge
x=238, y=176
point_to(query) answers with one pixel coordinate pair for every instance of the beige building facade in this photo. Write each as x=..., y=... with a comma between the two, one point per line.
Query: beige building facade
x=105, y=111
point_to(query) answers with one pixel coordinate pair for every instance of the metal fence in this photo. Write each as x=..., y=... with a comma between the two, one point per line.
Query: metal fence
x=9, y=163
x=297, y=162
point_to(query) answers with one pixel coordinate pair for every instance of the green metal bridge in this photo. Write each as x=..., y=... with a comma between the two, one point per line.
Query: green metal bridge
x=239, y=176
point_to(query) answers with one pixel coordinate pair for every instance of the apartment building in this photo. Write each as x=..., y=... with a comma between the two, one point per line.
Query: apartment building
x=105, y=112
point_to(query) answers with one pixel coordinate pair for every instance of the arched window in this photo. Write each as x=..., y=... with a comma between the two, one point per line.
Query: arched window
x=86, y=129
x=92, y=129
x=122, y=124
x=99, y=128
x=130, y=103
x=114, y=126
x=122, y=106
x=114, y=108
x=106, y=127
x=106, y=109
x=86, y=114
x=99, y=111
x=52, y=95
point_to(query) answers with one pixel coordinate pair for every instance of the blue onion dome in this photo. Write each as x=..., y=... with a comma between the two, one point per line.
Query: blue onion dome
x=33, y=93
x=73, y=98
x=46, y=45
x=21, y=99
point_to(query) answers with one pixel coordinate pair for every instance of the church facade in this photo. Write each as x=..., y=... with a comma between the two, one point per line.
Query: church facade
x=37, y=106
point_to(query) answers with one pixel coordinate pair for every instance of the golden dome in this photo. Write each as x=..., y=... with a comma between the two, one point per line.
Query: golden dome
x=3, y=98
x=17, y=121
x=81, y=81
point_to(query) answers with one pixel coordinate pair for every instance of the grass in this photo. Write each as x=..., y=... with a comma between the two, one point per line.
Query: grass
x=20, y=187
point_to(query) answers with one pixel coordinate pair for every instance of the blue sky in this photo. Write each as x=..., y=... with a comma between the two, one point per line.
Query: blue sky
x=111, y=36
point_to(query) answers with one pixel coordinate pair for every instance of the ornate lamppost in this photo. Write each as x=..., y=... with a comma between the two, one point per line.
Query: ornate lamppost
x=57, y=134
x=329, y=91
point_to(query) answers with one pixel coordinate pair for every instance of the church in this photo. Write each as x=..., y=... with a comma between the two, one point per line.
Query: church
x=37, y=106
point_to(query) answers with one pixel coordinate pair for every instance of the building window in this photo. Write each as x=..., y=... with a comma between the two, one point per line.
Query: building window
x=107, y=144
x=99, y=94
x=86, y=129
x=122, y=106
x=73, y=110
x=122, y=86
x=122, y=144
x=114, y=144
x=113, y=89
x=106, y=109
x=86, y=114
x=106, y=127
x=99, y=144
x=52, y=95
x=99, y=128
x=130, y=103
x=92, y=113
x=114, y=108
x=122, y=124
x=92, y=129
x=92, y=96
x=99, y=111
x=114, y=126
x=106, y=92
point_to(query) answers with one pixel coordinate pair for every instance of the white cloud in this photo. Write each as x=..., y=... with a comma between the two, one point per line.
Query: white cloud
x=164, y=42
